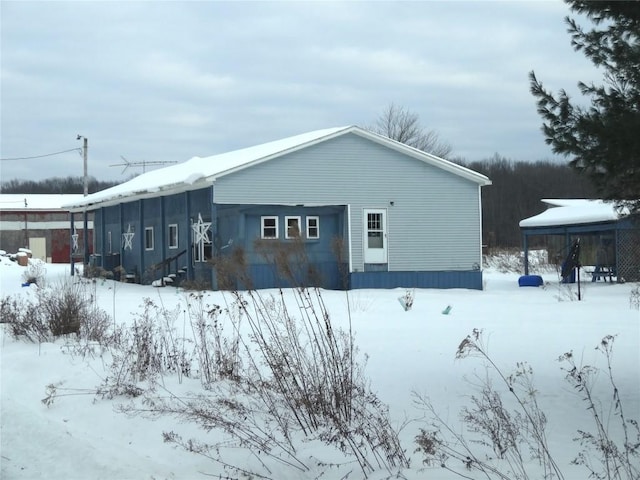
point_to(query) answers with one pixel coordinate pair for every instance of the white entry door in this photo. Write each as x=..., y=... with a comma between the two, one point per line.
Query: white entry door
x=38, y=247
x=375, y=235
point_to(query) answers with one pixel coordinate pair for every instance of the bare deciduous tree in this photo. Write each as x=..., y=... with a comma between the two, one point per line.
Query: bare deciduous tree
x=402, y=125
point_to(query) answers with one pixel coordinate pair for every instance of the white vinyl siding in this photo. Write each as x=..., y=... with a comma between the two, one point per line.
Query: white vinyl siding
x=433, y=218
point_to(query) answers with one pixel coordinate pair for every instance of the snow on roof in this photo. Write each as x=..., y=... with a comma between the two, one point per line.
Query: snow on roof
x=28, y=201
x=201, y=171
x=572, y=212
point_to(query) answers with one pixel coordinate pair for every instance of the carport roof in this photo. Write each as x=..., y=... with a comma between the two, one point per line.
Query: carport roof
x=572, y=212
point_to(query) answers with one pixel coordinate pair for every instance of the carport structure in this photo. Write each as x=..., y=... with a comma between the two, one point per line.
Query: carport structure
x=614, y=235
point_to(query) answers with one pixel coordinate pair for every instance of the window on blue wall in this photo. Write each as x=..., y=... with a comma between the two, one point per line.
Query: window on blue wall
x=269, y=227
x=108, y=242
x=313, y=227
x=173, y=235
x=202, y=251
x=148, y=238
x=293, y=227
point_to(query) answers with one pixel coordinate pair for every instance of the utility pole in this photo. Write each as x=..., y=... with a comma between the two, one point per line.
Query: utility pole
x=26, y=225
x=85, y=220
x=84, y=157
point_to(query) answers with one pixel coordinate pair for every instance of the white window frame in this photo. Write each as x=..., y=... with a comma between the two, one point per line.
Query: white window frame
x=198, y=252
x=316, y=226
x=146, y=238
x=173, y=226
x=263, y=226
x=287, y=235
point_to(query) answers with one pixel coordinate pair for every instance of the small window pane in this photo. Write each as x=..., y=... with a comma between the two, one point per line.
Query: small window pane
x=173, y=236
x=269, y=227
x=313, y=227
x=148, y=238
x=293, y=227
x=374, y=221
x=375, y=240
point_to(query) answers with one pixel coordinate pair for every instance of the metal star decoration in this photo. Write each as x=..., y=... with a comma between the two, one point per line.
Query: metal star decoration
x=127, y=237
x=201, y=231
x=74, y=237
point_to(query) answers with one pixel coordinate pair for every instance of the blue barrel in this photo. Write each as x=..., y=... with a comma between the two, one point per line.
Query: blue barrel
x=530, y=281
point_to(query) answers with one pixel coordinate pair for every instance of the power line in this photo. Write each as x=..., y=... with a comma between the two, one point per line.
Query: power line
x=78, y=149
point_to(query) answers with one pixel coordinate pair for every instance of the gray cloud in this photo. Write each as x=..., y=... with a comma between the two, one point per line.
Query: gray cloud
x=164, y=81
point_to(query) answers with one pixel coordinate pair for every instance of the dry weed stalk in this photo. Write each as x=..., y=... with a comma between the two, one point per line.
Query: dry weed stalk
x=615, y=460
x=285, y=377
x=508, y=433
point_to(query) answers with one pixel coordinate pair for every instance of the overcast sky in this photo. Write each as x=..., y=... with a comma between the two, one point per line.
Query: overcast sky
x=166, y=81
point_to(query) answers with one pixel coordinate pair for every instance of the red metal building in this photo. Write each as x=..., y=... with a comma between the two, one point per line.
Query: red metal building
x=39, y=223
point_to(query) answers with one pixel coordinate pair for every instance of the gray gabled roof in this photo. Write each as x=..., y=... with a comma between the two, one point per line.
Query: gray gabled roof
x=199, y=172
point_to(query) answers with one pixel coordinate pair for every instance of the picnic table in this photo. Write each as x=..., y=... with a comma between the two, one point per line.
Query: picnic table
x=602, y=272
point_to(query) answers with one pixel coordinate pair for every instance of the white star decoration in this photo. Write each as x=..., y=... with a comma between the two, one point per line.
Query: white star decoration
x=127, y=237
x=74, y=237
x=201, y=231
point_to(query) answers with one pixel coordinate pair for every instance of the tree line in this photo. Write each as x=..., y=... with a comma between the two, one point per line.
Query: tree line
x=514, y=195
x=516, y=192
x=55, y=185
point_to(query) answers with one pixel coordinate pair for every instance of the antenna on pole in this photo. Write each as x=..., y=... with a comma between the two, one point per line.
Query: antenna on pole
x=142, y=164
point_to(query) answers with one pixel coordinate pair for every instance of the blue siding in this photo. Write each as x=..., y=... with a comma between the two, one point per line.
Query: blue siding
x=200, y=202
x=130, y=218
x=112, y=224
x=454, y=279
x=175, y=207
x=157, y=213
x=107, y=222
x=151, y=217
x=238, y=234
x=98, y=230
x=325, y=275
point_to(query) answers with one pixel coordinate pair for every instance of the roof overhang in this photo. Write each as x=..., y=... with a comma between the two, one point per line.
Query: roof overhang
x=573, y=229
x=92, y=204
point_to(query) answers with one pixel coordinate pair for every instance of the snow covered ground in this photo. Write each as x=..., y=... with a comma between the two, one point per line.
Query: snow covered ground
x=84, y=437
